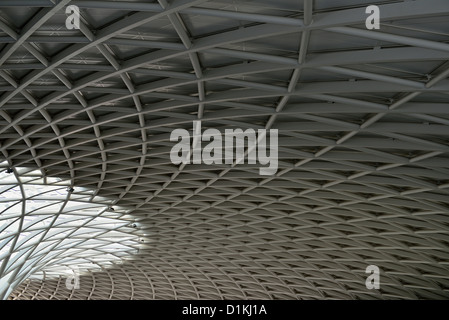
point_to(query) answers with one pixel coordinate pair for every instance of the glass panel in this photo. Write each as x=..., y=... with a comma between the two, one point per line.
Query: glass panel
x=85, y=232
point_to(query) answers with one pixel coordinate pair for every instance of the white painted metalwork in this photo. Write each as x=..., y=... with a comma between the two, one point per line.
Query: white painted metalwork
x=363, y=140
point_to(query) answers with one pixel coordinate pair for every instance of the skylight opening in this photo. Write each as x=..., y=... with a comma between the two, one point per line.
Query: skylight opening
x=49, y=228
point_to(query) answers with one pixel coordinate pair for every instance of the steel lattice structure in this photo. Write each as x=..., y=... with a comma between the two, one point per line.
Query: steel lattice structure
x=49, y=230
x=363, y=126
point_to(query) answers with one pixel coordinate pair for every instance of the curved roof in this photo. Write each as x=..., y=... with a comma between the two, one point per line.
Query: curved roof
x=362, y=118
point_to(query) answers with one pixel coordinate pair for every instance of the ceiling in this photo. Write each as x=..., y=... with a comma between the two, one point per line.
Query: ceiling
x=363, y=122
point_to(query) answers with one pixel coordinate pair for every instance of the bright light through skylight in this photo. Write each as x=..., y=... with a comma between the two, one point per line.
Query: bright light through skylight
x=47, y=229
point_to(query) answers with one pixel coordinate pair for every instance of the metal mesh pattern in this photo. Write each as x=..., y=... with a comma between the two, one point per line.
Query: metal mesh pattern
x=362, y=116
x=48, y=229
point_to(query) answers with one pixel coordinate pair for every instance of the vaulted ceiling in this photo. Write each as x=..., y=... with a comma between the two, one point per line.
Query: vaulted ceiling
x=363, y=122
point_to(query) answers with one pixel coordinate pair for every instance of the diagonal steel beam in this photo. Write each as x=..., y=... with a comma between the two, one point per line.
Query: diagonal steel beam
x=389, y=37
x=108, y=32
x=31, y=26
